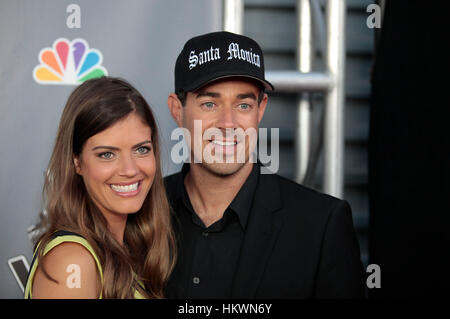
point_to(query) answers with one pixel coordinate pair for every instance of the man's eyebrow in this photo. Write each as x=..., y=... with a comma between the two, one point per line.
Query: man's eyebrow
x=113, y=148
x=207, y=94
x=242, y=96
x=249, y=95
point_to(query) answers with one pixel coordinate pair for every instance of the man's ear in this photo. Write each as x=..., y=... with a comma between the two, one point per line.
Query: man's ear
x=262, y=107
x=175, y=108
x=77, y=164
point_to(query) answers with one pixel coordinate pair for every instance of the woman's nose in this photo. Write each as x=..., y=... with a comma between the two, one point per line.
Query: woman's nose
x=128, y=166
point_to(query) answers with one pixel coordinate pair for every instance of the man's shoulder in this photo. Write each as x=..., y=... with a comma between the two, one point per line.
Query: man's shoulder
x=302, y=205
x=298, y=192
x=300, y=201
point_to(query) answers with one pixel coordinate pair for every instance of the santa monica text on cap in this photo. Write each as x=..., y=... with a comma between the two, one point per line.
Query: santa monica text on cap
x=214, y=54
x=211, y=56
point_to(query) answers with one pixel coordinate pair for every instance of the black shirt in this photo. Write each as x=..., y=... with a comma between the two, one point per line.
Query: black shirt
x=207, y=256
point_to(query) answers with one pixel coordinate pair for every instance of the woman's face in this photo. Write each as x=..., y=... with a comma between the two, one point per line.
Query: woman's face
x=118, y=166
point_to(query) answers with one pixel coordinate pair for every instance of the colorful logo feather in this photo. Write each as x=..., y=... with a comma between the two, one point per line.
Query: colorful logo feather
x=68, y=63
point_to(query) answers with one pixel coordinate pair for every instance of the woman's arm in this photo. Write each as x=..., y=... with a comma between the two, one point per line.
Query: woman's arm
x=75, y=271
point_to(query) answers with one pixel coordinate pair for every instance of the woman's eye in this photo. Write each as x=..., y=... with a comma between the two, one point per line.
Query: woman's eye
x=106, y=155
x=143, y=150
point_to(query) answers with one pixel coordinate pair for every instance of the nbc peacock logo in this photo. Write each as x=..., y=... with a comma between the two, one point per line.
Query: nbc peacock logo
x=68, y=62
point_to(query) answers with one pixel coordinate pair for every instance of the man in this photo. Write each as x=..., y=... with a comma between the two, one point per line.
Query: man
x=243, y=234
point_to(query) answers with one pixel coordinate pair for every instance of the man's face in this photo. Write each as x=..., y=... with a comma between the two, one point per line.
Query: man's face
x=229, y=115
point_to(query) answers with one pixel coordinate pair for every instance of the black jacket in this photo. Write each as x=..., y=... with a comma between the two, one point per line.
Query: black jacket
x=298, y=243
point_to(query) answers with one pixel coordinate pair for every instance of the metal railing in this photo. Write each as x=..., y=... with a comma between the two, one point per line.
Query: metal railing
x=330, y=82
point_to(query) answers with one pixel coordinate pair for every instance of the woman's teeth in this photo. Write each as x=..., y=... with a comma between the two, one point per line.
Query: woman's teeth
x=125, y=189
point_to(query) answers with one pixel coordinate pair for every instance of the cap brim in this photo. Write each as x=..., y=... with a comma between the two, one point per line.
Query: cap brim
x=195, y=86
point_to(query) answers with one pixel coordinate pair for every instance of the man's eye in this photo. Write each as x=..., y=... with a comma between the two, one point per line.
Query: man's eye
x=244, y=106
x=106, y=155
x=143, y=150
x=208, y=105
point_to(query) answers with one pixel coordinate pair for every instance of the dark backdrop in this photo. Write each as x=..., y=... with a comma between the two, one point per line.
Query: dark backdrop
x=409, y=153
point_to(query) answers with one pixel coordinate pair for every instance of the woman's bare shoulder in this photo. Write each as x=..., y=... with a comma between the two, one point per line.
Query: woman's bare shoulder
x=73, y=270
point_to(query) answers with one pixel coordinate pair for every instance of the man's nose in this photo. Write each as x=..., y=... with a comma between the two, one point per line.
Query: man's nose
x=226, y=118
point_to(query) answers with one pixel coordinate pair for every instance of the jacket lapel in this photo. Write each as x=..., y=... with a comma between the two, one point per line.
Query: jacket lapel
x=261, y=232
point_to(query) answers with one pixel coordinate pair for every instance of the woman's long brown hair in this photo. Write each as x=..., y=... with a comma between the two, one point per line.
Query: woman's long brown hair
x=149, y=249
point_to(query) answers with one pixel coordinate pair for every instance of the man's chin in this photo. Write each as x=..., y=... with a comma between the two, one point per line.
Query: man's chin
x=223, y=169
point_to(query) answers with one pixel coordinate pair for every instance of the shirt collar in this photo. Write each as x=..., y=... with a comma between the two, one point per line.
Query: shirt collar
x=242, y=202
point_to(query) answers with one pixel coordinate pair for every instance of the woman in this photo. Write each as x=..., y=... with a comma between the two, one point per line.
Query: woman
x=106, y=232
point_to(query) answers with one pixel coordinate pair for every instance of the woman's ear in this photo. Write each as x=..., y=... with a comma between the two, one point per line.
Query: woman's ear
x=77, y=164
x=175, y=108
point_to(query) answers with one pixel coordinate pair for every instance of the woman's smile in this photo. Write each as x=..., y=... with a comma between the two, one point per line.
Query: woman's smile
x=126, y=189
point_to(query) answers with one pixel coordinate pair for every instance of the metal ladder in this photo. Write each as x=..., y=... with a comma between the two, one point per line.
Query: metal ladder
x=303, y=79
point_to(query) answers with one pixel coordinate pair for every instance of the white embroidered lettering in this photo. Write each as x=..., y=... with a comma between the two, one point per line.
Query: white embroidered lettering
x=193, y=60
x=235, y=52
x=203, y=57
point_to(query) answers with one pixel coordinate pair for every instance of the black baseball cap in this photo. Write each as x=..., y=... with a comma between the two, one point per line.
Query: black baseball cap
x=217, y=55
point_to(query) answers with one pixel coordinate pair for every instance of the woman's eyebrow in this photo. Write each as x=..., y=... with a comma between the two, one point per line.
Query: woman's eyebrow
x=142, y=143
x=113, y=148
